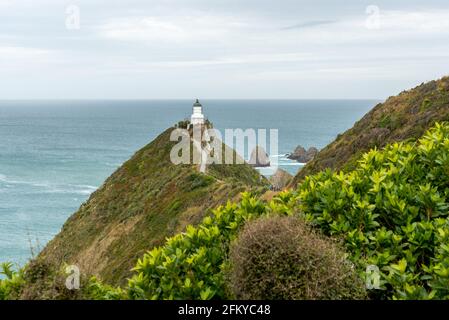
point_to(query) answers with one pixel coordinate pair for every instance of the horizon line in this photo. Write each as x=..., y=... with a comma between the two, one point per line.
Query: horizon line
x=150, y=99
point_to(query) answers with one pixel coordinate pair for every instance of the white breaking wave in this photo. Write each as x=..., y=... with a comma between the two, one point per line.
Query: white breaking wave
x=279, y=156
x=48, y=187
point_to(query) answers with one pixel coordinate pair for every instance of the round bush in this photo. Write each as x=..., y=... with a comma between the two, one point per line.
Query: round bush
x=283, y=258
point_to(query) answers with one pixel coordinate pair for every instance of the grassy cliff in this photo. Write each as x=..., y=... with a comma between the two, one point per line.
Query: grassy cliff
x=146, y=200
x=402, y=117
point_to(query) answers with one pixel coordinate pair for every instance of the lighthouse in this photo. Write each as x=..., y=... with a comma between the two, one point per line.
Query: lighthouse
x=197, y=114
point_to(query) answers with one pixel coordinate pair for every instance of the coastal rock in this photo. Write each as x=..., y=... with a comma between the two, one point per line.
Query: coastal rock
x=302, y=155
x=259, y=158
x=280, y=179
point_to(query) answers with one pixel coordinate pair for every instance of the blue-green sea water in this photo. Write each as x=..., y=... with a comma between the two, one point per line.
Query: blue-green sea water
x=54, y=154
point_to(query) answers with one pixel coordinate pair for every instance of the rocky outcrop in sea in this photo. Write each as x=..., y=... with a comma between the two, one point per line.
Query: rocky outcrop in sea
x=302, y=155
x=259, y=158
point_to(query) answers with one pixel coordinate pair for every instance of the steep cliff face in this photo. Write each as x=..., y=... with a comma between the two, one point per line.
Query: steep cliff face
x=147, y=199
x=402, y=117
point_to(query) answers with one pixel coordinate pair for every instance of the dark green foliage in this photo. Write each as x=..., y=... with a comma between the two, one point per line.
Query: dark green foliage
x=183, y=124
x=283, y=258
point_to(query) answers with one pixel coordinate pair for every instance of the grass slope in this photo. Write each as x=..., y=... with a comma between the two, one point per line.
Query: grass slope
x=402, y=117
x=146, y=200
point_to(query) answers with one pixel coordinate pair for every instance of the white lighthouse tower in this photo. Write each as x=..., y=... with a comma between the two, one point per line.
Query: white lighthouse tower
x=197, y=114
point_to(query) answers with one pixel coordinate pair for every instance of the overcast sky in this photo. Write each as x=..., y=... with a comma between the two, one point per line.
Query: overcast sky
x=219, y=49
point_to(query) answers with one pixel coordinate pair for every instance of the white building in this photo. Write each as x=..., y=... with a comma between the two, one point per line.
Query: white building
x=197, y=114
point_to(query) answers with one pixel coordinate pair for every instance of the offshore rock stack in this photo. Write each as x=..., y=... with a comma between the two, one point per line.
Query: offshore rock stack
x=302, y=155
x=259, y=158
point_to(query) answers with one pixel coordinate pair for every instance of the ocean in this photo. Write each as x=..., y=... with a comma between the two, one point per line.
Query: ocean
x=54, y=154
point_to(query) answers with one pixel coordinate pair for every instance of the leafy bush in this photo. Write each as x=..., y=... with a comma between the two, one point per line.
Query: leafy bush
x=12, y=283
x=190, y=264
x=97, y=290
x=283, y=258
x=392, y=212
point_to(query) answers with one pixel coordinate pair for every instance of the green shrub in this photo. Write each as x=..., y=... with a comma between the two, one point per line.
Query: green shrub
x=190, y=264
x=96, y=290
x=12, y=284
x=283, y=258
x=392, y=212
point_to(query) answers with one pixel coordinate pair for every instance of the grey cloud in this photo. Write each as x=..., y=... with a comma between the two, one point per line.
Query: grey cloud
x=309, y=24
x=228, y=48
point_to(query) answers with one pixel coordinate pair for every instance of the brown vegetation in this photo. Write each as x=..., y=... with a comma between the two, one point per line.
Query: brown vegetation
x=283, y=258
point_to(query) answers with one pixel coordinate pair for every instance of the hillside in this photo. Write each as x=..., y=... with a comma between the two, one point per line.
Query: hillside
x=146, y=200
x=402, y=117
x=389, y=213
